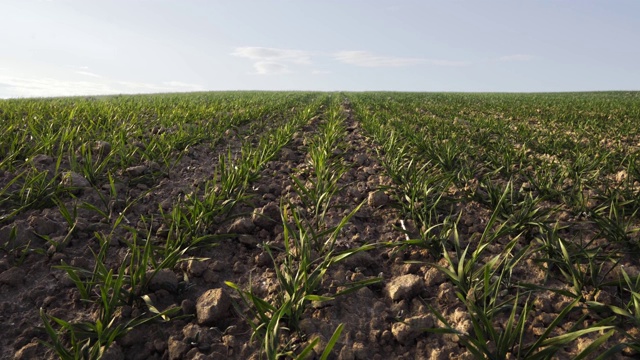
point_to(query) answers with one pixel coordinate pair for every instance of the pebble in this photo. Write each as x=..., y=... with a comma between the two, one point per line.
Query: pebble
x=135, y=171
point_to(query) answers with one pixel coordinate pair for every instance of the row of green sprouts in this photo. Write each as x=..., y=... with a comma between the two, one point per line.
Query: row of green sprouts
x=441, y=165
x=191, y=224
x=308, y=250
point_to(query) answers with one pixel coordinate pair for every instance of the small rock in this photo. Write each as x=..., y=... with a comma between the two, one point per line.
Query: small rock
x=408, y=330
x=163, y=279
x=196, y=267
x=212, y=306
x=405, y=287
x=136, y=171
x=188, y=307
x=23, y=235
x=42, y=162
x=43, y=225
x=177, y=348
x=135, y=336
x=153, y=166
x=248, y=240
x=377, y=199
x=239, y=267
x=267, y=217
x=101, y=148
x=74, y=180
x=307, y=326
x=12, y=277
x=276, y=190
x=113, y=352
x=242, y=226
x=433, y=277
x=192, y=354
x=287, y=154
x=360, y=159
x=263, y=259
x=346, y=353
x=58, y=257
x=360, y=351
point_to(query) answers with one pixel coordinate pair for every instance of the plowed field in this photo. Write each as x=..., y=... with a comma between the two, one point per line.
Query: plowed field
x=255, y=225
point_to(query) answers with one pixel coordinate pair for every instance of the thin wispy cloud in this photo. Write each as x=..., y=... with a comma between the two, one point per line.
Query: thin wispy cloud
x=368, y=59
x=270, y=68
x=269, y=61
x=273, y=54
x=24, y=86
x=273, y=61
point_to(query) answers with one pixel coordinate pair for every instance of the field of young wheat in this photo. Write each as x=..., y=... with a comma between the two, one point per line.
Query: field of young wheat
x=269, y=225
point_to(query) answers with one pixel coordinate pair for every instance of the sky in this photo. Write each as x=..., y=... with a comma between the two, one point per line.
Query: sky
x=90, y=47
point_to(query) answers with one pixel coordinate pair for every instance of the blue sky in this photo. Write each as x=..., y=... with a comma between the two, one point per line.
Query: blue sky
x=86, y=47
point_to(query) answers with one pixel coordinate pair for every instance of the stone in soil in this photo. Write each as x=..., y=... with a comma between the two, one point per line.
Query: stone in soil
x=212, y=306
x=241, y=226
x=177, y=348
x=12, y=277
x=406, y=331
x=433, y=277
x=114, y=352
x=101, y=148
x=377, y=199
x=163, y=279
x=196, y=267
x=43, y=225
x=405, y=287
x=135, y=171
x=75, y=180
x=267, y=217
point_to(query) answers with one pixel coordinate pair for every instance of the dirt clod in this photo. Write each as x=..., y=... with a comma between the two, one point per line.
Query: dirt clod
x=404, y=287
x=377, y=199
x=12, y=277
x=241, y=226
x=212, y=306
x=75, y=180
x=163, y=279
x=406, y=331
x=177, y=348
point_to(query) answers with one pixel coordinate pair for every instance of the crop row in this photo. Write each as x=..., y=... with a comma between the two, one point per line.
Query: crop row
x=542, y=175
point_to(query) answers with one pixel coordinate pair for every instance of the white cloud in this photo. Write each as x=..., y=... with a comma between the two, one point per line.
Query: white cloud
x=270, y=68
x=24, y=86
x=280, y=61
x=273, y=54
x=516, y=57
x=368, y=59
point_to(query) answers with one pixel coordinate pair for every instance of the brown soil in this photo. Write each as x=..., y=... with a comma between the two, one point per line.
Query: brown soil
x=381, y=321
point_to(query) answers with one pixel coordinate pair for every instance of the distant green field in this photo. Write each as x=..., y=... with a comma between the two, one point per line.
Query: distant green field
x=525, y=206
